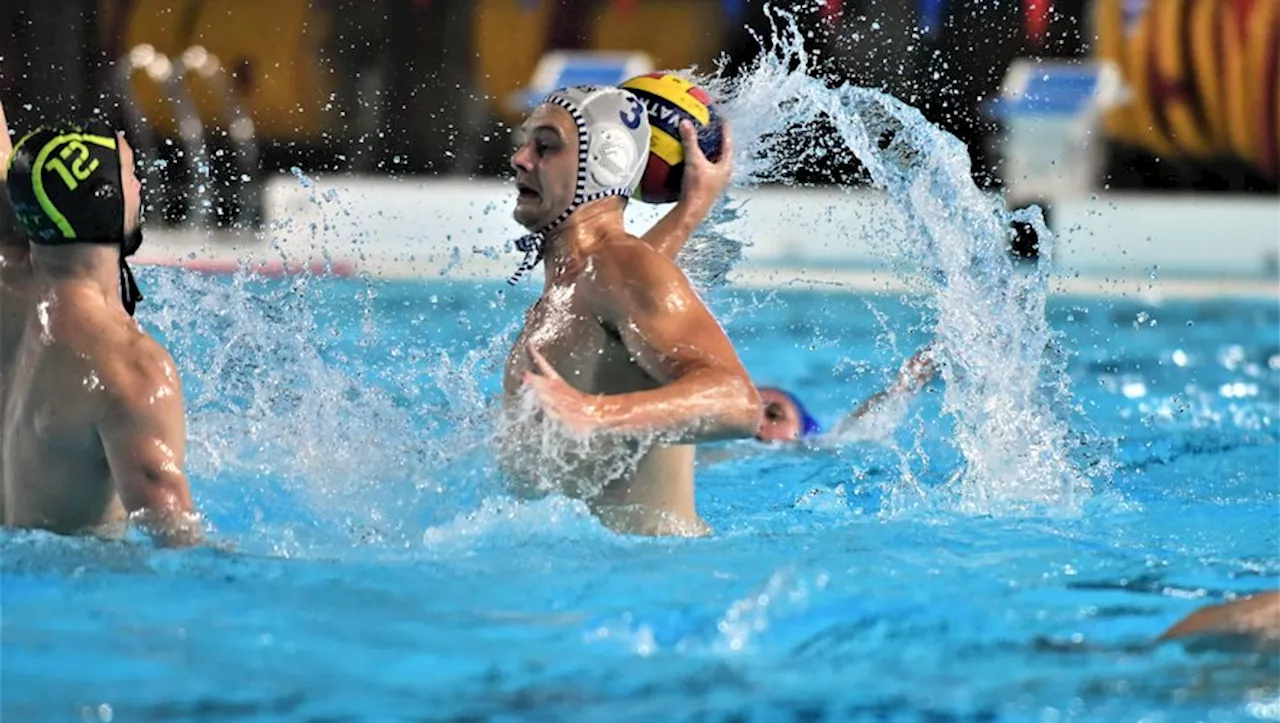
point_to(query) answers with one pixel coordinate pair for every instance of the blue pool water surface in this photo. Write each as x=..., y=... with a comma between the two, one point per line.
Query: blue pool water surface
x=375, y=569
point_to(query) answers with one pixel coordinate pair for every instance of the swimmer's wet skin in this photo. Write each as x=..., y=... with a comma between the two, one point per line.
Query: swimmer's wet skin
x=117, y=448
x=786, y=419
x=618, y=349
x=1253, y=621
x=6, y=146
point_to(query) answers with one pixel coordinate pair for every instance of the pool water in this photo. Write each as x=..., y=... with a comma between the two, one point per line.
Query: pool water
x=374, y=569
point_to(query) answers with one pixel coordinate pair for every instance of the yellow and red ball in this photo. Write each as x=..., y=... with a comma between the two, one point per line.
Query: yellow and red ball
x=669, y=99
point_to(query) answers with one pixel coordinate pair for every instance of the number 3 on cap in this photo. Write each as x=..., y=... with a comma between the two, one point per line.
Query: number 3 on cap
x=637, y=112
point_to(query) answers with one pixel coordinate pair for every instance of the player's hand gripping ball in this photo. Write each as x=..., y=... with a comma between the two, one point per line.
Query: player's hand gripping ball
x=670, y=99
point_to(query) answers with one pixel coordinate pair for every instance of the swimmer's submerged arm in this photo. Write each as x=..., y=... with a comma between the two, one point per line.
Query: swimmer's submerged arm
x=706, y=394
x=1255, y=616
x=144, y=435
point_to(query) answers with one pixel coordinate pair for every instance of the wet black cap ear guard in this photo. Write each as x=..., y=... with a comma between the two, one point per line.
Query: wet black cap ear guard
x=67, y=186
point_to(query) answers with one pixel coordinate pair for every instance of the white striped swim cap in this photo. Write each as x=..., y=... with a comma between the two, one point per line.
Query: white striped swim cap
x=613, y=149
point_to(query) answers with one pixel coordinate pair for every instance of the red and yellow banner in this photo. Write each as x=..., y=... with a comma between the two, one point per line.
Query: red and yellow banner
x=1203, y=76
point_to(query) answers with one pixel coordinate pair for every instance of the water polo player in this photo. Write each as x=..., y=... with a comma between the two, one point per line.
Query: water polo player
x=618, y=350
x=94, y=430
x=786, y=419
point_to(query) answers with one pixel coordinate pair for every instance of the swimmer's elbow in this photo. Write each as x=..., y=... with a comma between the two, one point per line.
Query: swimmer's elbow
x=158, y=500
x=742, y=408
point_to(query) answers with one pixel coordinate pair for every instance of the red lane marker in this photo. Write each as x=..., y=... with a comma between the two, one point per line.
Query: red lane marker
x=340, y=268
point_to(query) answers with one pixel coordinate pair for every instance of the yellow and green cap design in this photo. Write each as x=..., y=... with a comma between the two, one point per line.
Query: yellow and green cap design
x=66, y=186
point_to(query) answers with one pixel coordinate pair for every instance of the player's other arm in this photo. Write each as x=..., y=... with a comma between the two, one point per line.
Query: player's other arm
x=705, y=394
x=143, y=432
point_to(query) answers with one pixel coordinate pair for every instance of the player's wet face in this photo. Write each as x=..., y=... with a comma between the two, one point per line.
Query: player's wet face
x=546, y=165
x=781, y=419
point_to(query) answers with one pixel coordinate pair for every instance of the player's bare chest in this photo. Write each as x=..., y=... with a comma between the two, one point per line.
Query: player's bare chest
x=571, y=338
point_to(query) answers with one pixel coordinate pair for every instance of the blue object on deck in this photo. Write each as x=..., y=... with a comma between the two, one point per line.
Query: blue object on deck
x=1048, y=89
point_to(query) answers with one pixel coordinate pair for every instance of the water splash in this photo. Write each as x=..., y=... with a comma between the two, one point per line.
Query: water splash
x=710, y=254
x=784, y=600
x=276, y=391
x=540, y=457
x=283, y=395
x=1006, y=388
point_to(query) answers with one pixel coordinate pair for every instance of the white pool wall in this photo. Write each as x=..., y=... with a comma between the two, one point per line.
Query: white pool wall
x=1179, y=244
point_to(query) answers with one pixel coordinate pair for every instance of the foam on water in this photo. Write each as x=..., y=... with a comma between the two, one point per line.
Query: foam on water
x=786, y=596
x=559, y=518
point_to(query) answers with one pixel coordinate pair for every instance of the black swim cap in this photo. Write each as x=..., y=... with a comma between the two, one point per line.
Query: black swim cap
x=67, y=186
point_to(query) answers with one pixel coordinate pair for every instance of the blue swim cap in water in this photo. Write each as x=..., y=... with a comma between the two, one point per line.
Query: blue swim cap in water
x=808, y=425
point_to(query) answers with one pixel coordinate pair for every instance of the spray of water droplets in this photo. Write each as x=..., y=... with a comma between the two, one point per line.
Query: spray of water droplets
x=1006, y=388
x=290, y=415
x=285, y=393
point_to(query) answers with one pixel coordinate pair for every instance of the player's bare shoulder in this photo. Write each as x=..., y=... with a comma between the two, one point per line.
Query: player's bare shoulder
x=628, y=267
x=630, y=258
x=140, y=370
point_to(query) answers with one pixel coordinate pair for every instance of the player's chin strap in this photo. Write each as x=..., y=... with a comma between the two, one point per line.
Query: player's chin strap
x=531, y=245
x=534, y=244
x=130, y=294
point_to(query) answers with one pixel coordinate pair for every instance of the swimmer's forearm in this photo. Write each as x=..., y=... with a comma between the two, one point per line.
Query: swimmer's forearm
x=880, y=398
x=916, y=372
x=671, y=231
x=704, y=406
